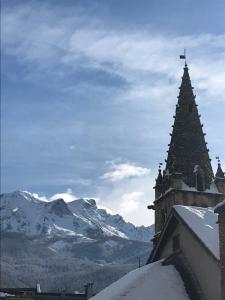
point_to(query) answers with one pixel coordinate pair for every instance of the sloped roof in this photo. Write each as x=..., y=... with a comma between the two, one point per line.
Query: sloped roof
x=150, y=282
x=220, y=208
x=203, y=222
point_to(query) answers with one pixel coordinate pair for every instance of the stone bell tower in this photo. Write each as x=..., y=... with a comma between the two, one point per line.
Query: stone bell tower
x=188, y=177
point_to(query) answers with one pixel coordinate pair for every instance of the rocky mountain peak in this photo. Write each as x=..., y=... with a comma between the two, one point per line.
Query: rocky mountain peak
x=58, y=207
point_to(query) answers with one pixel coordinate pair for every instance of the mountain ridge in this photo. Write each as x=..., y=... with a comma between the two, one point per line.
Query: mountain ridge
x=23, y=212
x=64, y=245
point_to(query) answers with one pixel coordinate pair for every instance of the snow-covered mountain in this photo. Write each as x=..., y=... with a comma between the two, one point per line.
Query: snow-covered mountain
x=21, y=212
x=65, y=245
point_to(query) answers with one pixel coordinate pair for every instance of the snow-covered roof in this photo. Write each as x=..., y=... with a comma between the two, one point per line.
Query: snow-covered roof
x=220, y=207
x=150, y=282
x=212, y=189
x=203, y=222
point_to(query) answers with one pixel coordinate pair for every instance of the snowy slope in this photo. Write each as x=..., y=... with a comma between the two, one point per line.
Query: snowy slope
x=150, y=282
x=46, y=237
x=109, y=223
x=203, y=221
x=22, y=212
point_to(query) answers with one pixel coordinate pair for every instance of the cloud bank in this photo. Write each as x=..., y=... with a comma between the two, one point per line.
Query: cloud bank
x=122, y=171
x=58, y=44
x=104, y=91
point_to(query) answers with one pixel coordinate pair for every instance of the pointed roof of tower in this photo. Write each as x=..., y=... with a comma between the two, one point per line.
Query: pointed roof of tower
x=187, y=150
x=219, y=172
x=159, y=178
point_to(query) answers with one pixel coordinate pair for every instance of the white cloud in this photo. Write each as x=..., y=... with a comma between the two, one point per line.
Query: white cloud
x=69, y=191
x=128, y=190
x=134, y=55
x=122, y=171
x=42, y=198
x=130, y=202
x=130, y=199
x=67, y=196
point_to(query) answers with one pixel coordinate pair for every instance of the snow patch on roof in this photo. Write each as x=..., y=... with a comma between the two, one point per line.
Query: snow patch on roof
x=219, y=205
x=185, y=187
x=213, y=188
x=203, y=221
x=145, y=283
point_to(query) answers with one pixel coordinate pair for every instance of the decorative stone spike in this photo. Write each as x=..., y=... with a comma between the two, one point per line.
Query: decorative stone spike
x=219, y=172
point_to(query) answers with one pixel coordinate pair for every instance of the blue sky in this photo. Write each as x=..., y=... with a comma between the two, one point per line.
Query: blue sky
x=89, y=89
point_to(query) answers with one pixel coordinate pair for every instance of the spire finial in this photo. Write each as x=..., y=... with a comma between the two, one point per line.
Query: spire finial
x=160, y=166
x=218, y=159
x=183, y=56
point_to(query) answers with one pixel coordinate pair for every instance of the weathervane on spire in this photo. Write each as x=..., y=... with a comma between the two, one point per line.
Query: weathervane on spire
x=183, y=56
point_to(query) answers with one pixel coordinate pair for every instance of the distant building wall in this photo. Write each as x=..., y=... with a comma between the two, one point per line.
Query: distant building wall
x=202, y=264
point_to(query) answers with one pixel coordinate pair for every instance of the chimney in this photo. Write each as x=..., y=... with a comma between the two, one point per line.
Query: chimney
x=89, y=290
x=38, y=288
x=220, y=209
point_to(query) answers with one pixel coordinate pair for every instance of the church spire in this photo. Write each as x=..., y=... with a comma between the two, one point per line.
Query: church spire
x=188, y=153
x=187, y=164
